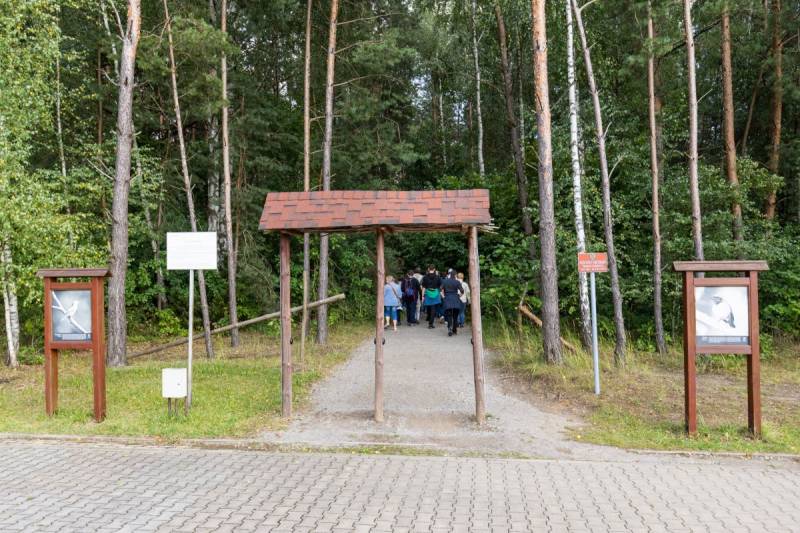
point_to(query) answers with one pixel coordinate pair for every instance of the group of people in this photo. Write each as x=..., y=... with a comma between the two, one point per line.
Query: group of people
x=443, y=298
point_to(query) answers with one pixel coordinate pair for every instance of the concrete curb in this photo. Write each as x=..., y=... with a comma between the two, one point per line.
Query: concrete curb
x=365, y=448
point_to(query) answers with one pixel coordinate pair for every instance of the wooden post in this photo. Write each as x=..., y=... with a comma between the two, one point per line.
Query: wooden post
x=50, y=355
x=286, y=329
x=477, y=328
x=379, y=280
x=689, y=355
x=98, y=350
x=754, y=361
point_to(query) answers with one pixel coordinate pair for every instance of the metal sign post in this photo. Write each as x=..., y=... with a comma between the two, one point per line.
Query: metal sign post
x=592, y=263
x=191, y=251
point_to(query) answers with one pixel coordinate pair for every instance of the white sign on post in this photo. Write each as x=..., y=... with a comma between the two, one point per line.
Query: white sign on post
x=191, y=251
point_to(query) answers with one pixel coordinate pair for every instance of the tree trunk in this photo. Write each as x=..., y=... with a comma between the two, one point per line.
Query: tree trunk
x=306, y=178
x=478, y=114
x=212, y=141
x=752, y=107
x=516, y=145
x=658, y=316
x=551, y=329
x=322, y=293
x=187, y=181
x=10, y=306
x=117, y=317
x=776, y=106
x=577, y=175
x=59, y=136
x=697, y=223
x=608, y=220
x=728, y=124
x=226, y=186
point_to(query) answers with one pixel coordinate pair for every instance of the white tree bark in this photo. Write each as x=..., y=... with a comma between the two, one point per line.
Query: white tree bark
x=577, y=175
x=478, y=113
x=10, y=307
x=608, y=219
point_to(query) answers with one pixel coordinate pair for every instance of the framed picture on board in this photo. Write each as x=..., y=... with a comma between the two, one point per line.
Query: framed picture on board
x=722, y=315
x=71, y=315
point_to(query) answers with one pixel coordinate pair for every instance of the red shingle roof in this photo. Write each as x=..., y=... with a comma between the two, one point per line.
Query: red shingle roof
x=330, y=211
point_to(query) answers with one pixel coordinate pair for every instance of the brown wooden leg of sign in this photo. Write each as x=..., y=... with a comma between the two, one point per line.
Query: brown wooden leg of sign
x=98, y=351
x=50, y=381
x=477, y=327
x=286, y=330
x=689, y=354
x=379, y=281
x=754, y=362
x=50, y=355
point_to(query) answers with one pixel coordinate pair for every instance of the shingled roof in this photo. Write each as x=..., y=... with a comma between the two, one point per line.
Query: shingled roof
x=340, y=211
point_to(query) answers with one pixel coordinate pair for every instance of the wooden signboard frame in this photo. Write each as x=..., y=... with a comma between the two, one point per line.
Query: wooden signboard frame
x=97, y=343
x=691, y=348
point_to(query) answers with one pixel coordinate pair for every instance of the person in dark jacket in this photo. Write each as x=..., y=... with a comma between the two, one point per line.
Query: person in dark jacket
x=411, y=289
x=432, y=284
x=453, y=290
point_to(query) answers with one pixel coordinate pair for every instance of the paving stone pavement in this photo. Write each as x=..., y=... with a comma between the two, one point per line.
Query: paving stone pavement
x=60, y=486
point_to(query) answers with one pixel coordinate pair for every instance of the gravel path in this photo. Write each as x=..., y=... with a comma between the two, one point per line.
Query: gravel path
x=430, y=402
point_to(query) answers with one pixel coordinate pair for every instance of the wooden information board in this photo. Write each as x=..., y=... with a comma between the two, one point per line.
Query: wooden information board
x=721, y=317
x=74, y=319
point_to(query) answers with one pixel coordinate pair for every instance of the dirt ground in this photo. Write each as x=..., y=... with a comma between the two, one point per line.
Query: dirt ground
x=429, y=404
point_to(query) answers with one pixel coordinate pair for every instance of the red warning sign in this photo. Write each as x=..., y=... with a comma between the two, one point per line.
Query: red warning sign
x=592, y=262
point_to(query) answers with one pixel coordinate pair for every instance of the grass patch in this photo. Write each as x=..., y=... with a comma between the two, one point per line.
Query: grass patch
x=641, y=404
x=235, y=395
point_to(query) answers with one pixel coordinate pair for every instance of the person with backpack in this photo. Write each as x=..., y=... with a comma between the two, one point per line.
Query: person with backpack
x=410, y=289
x=391, y=302
x=432, y=284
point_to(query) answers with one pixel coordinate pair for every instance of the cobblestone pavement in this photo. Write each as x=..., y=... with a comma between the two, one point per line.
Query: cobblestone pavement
x=51, y=486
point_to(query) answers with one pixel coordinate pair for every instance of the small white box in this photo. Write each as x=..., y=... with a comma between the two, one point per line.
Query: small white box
x=173, y=383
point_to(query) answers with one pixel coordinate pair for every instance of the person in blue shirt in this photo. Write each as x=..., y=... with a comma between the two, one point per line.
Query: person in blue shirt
x=391, y=302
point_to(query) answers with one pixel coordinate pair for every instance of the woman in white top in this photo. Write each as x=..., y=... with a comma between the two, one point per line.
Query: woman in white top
x=465, y=299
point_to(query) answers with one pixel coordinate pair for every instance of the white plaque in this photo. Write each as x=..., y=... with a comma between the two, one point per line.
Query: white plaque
x=194, y=250
x=173, y=383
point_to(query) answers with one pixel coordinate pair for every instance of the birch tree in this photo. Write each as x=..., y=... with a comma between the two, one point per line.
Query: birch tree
x=226, y=186
x=727, y=121
x=608, y=219
x=117, y=315
x=10, y=305
x=187, y=180
x=516, y=144
x=551, y=328
x=658, y=319
x=212, y=138
x=697, y=223
x=322, y=311
x=577, y=176
x=478, y=113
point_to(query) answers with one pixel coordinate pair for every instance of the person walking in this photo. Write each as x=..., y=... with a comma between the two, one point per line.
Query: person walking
x=410, y=289
x=453, y=290
x=418, y=277
x=432, y=284
x=465, y=299
x=391, y=301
